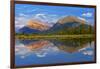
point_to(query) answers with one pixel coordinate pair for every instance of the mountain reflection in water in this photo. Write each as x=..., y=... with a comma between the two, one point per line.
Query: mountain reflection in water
x=53, y=51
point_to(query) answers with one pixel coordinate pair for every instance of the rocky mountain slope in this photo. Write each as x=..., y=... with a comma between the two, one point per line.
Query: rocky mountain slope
x=65, y=25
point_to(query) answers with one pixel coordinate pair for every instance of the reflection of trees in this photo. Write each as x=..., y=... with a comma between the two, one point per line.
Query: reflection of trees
x=67, y=45
x=73, y=45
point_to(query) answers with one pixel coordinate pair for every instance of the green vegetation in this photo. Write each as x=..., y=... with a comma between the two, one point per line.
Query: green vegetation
x=72, y=45
x=82, y=29
x=67, y=30
x=20, y=36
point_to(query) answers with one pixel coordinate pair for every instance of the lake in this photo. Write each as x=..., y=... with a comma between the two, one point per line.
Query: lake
x=53, y=51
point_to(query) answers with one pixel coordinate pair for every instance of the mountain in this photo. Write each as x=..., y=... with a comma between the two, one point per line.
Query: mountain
x=34, y=26
x=65, y=25
x=71, y=19
x=37, y=25
x=71, y=25
x=71, y=28
x=28, y=30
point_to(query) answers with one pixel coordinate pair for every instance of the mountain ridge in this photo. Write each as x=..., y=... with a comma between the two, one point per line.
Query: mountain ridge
x=37, y=25
x=71, y=19
x=63, y=26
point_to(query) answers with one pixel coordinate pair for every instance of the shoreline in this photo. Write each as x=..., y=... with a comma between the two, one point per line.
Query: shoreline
x=53, y=36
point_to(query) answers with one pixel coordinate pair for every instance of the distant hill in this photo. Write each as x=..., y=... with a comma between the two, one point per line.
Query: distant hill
x=65, y=25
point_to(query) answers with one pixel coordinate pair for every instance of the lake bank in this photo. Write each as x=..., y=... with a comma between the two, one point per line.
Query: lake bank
x=53, y=36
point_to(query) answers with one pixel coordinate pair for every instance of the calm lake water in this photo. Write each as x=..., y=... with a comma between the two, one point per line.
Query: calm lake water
x=50, y=51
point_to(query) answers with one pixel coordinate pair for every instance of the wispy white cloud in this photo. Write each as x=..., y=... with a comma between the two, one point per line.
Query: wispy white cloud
x=81, y=18
x=88, y=14
x=47, y=18
x=88, y=52
x=46, y=50
x=20, y=21
x=23, y=15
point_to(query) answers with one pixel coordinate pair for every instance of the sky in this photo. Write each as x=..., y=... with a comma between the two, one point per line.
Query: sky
x=49, y=14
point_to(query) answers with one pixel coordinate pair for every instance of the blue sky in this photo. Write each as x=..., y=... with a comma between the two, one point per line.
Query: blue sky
x=50, y=14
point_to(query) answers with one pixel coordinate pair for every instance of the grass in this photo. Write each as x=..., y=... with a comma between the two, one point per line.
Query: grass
x=53, y=36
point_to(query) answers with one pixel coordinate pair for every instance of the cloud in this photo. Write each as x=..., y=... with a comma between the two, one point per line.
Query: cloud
x=88, y=53
x=41, y=54
x=21, y=50
x=40, y=16
x=46, y=51
x=21, y=20
x=46, y=18
x=88, y=14
x=82, y=18
x=23, y=15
